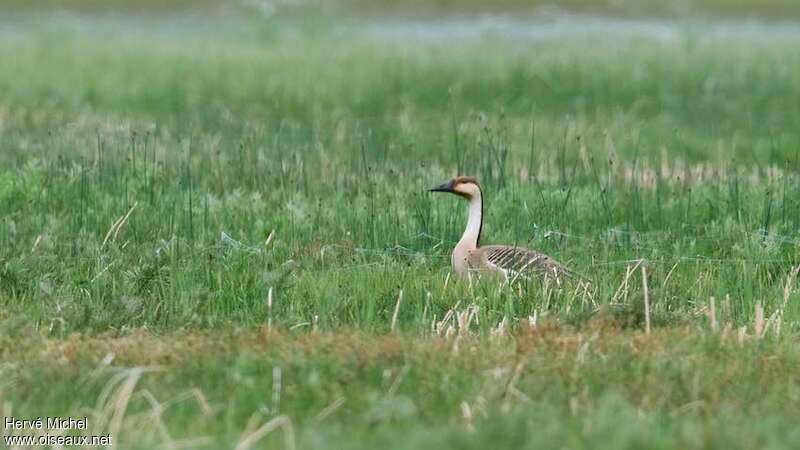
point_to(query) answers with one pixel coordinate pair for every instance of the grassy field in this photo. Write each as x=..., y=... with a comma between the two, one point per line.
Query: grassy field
x=218, y=231
x=773, y=9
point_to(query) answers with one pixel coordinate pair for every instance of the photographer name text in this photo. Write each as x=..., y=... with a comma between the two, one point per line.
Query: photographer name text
x=47, y=423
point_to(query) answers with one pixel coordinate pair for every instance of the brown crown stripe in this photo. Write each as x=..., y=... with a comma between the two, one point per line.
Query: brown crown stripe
x=462, y=179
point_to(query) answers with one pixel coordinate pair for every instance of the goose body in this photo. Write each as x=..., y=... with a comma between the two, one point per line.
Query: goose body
x=509, y=262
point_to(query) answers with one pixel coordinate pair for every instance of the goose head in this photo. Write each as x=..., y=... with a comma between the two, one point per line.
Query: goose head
x=465, y=187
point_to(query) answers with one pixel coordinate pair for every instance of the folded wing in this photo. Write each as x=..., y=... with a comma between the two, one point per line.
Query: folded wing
x=520, y=262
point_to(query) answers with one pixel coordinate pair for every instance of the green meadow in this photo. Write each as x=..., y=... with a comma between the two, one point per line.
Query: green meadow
x=215, y=230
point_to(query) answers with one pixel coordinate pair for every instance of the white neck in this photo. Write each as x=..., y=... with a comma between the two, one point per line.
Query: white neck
x=469, y=241
x=473, y=231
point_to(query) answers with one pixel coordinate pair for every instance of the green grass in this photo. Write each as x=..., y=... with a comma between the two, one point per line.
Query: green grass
x=155, y=189
x=774, y=9
x=672, y=389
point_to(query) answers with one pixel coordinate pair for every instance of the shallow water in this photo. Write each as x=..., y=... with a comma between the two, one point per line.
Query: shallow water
x=571, y=27
x=552, y=26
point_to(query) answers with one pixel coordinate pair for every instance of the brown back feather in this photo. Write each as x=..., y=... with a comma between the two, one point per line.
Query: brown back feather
x=521, y=259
